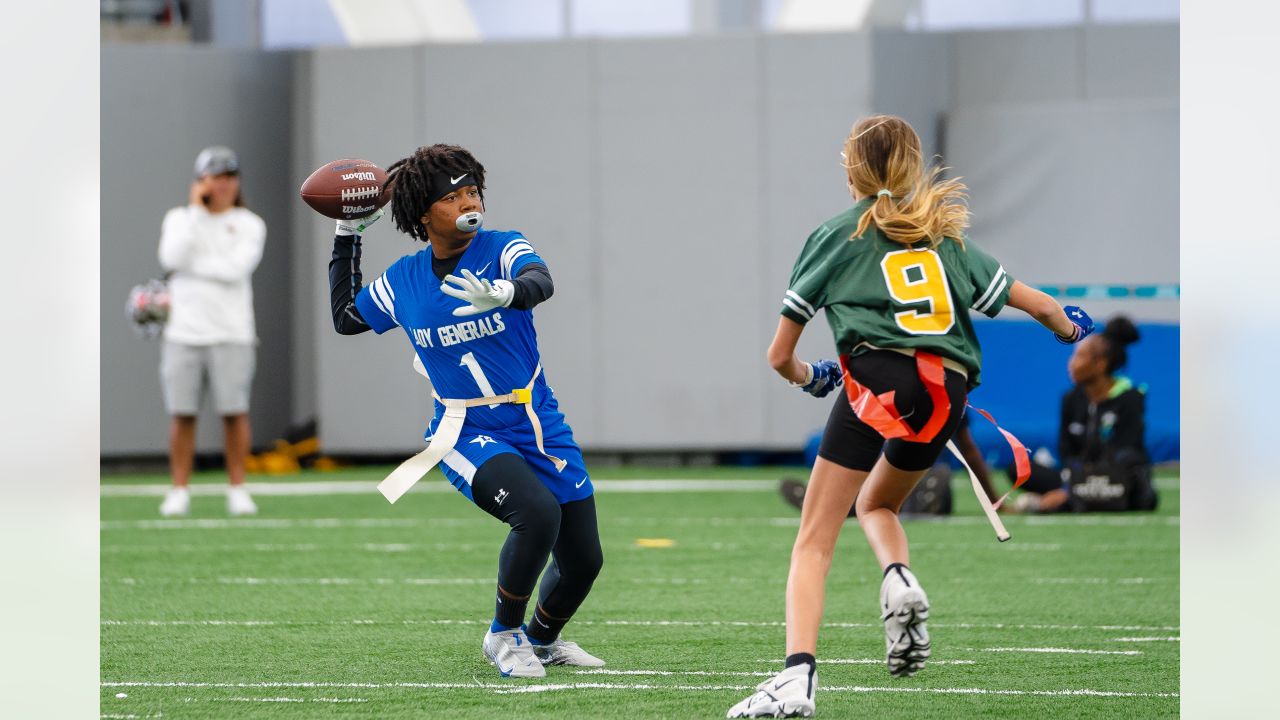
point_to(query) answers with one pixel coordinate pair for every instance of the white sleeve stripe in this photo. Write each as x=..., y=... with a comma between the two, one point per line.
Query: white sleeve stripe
x=506, y=268
x=381, y=294
x=796, y=296
x=512, y=252
x=986, y=295
x=511, y=246
x=799, y=310
x=994, y=296
x=514, y=249
x=373, y=295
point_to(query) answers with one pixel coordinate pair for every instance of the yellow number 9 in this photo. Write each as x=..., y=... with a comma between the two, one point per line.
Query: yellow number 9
x=917, y=276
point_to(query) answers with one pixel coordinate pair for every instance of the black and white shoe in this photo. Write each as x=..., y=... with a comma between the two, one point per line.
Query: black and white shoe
x=787, y=694
x=904, y=608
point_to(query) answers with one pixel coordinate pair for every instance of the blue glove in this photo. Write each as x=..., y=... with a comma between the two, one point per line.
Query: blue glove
x=1082, y=321
x=826, y=376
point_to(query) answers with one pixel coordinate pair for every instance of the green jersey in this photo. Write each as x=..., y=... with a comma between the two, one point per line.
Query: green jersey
x=883, y=294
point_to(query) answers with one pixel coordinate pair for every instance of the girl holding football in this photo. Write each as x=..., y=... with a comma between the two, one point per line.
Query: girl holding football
x=464, y=303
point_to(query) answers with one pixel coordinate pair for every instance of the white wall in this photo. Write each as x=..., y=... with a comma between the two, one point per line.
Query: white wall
x=668, y=213
x=668, y=182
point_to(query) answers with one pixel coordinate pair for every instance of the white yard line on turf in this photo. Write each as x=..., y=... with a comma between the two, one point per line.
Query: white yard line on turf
x=1173, y=638
x=360, y=487
x=837, y=689
x=1018, y=520
x=328, y=548
x=276, y=523
x=290, y=700
x=508, y=687
x=1057, y=650
x=369, y=487
x=261, y=523
x=674, y=673
x=304, y=581
x=870, y=661
x=645, y=623
x=1069, y=581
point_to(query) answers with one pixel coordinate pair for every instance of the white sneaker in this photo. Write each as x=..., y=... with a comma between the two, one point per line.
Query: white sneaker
x=787, y=694
x=176, y=502
x=239, y=502
x=512, y=653
x=904, y=608
x=563, y=652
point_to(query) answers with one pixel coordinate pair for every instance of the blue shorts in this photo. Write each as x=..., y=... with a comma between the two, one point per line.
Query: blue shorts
x=476, y=445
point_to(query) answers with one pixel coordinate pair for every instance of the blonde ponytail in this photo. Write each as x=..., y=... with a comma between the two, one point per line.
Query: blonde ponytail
x=883, y=158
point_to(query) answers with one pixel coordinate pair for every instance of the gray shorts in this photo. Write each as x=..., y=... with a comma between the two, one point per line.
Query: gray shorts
x=227, y=369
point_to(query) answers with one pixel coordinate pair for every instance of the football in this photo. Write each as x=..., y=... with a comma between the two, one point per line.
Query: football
x=345, y=189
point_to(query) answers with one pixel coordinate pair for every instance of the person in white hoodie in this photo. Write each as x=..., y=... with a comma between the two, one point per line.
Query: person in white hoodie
x=209, y=248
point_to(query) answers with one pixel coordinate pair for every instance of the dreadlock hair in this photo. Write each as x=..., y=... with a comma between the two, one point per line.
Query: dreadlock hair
x=909, y=203
x=1118, y=333
x=410, y=179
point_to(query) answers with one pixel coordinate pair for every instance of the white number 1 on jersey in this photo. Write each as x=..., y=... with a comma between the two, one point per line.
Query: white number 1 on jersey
x=469, y=361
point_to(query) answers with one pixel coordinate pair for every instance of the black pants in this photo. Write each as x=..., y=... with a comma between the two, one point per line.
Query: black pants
x=851, y=443
x=541, y=528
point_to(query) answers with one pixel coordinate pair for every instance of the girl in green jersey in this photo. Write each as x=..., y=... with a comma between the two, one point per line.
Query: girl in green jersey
x=894, y=273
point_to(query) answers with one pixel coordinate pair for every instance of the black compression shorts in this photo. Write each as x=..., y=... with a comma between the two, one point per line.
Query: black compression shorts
x=849, y=442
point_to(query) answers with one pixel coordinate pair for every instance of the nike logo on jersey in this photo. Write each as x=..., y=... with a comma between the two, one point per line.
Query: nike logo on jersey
x=581, y=483
x=486, y=267
x=454, y=181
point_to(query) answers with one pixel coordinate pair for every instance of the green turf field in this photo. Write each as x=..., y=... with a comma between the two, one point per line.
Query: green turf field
x=340, y=605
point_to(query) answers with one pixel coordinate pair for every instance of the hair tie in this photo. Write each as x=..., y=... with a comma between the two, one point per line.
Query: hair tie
x=885, y=191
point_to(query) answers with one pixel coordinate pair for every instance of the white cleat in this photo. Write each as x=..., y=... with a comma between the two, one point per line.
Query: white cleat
x=787, y=694
x=512, y=653
x=904, y=608
x=239, y=502
x=563, y=652
x=176, y=502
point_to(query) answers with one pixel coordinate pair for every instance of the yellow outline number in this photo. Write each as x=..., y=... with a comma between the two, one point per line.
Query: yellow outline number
x=917, y=276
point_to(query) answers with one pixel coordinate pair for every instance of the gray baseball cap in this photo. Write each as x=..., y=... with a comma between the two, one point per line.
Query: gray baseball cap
x=216, y=160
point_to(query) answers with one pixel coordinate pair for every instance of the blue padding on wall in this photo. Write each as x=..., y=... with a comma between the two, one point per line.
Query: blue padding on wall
x=1024, y=376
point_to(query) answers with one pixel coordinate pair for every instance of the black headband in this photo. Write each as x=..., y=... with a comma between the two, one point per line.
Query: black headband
x=442, y=183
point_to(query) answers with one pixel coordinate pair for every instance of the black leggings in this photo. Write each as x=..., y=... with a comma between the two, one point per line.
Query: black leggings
x=851, y=443
x=506, y=488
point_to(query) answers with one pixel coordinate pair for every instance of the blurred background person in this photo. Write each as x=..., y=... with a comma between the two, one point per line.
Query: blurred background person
x=1102, y=437
x=210, y=248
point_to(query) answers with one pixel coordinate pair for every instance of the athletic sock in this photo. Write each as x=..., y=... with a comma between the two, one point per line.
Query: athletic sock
x=509, y=609
x=497, y=627
x=801, y=658
x=545, y=627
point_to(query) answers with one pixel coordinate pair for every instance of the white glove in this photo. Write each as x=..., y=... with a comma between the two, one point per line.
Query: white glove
x=483, y=295
x=356, y=226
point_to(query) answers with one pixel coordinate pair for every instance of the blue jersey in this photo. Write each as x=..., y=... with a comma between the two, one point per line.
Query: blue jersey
x=491, y=353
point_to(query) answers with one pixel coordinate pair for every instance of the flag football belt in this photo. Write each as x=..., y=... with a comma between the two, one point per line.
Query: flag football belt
x=879, y=411
x=450, y=427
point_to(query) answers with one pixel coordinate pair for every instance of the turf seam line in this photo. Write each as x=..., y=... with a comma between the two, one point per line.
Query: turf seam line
x=509, y=688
